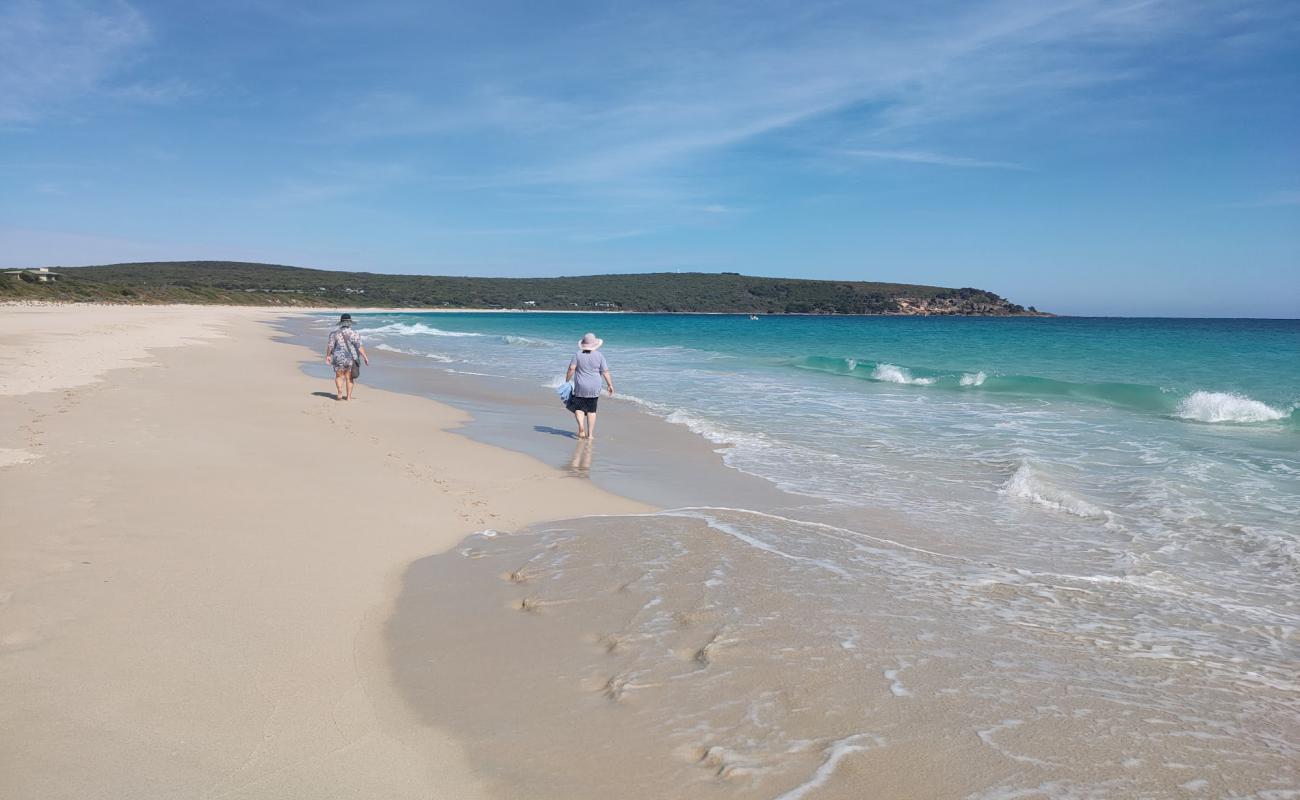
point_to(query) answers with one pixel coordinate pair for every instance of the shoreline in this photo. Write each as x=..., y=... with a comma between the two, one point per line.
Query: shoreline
x=290, y=310
x=731, y=649
x=192, y=609
x=638, y=455
x=420, y=591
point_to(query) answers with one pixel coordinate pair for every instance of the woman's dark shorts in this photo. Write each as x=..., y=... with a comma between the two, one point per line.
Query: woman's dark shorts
x=587, y=404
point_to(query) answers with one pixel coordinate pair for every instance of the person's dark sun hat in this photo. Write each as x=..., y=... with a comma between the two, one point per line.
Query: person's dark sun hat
x=345, y=320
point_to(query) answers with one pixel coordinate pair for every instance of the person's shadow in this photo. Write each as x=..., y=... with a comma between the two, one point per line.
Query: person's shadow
x=555, y=431
x=326, y=395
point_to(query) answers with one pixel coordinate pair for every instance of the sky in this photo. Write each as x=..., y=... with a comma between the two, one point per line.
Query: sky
x=1132, y=157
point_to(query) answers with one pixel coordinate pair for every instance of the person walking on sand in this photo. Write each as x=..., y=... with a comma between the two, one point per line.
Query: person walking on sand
x=586, y=370
x=344, y=353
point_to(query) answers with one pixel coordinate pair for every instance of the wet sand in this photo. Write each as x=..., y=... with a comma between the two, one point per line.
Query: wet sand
x=762, y=644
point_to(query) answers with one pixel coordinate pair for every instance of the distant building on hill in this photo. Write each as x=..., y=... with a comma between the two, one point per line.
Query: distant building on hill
x=41, y=275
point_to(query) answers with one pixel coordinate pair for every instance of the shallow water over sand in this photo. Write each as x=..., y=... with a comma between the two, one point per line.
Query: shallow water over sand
x=959, y=593
x=713, y=651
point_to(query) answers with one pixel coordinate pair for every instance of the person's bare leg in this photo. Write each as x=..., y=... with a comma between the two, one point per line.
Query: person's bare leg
x=582, y=427
x=347, y=376
x=591, y=425
x=338, y=385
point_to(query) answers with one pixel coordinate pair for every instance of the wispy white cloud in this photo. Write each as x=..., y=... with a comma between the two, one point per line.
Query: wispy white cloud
x=716, y=209
x=936, y=159
x=597, y=107
x=53, y=54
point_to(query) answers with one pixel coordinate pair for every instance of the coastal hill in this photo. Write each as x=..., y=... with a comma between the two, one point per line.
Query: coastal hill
x=231, y=282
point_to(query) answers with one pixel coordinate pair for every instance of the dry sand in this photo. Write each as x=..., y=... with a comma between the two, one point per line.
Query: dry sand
x=199, y=554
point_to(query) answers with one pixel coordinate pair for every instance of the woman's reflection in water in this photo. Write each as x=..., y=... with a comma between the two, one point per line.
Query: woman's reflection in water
x=580, y=464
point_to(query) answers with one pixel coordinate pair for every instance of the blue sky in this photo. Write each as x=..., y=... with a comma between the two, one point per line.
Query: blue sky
x=1084, y=156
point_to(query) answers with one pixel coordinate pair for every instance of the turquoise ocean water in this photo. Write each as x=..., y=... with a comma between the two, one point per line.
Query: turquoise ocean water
x=1097, y=495
x=1147, y=429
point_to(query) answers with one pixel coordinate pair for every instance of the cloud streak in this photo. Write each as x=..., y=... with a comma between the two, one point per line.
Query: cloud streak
x=934, y=159
x=721, y=76
x=53, y=54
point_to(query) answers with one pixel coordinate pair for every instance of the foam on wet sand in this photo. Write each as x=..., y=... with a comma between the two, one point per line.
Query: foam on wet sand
x=721, y=651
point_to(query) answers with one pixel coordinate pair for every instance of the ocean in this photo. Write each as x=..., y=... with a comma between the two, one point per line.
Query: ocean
x=1071, y=546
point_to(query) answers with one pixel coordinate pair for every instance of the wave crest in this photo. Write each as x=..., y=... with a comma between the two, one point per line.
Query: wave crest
x=890, y=373
x=388, y=348
x=524, y=341
x=1027, y=484
x=413, y=329
x=1226, y=407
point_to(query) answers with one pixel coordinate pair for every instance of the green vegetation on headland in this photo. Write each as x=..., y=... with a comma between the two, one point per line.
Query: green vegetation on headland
x=231, y=282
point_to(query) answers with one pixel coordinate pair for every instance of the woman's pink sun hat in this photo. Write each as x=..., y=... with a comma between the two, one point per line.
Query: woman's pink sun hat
x=590, y=342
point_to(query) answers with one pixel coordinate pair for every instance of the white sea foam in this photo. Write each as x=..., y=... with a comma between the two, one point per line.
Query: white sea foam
x=467, y=372
x=1226, y=407
x=1028, y=484
x=712, y=431
x=973, y=379
x=524, y=341
x=892, y=374
x=709, y=430
x=409, y=352
x=834, y=755
x=896, y=686
x=413, y=329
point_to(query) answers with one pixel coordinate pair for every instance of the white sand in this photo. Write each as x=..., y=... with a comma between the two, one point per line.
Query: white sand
x=199, y=556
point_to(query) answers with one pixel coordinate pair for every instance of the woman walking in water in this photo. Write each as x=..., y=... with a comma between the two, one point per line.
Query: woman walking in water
x=343, y=353
x=586, y=370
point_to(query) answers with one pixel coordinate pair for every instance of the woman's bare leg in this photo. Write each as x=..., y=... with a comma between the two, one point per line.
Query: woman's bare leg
x=347, y=376
x=338, y=384
x=591, y=425
x=582, y=428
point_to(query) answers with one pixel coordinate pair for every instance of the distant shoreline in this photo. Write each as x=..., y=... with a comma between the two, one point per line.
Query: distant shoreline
x=254, y=284
x=291, y=309
x=11, y=303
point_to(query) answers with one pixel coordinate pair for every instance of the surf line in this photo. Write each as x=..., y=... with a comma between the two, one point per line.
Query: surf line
x=695, y=512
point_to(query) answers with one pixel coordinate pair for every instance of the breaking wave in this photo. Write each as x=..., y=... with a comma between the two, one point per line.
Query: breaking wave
x=1226, y=407
x=1028, y=484
x=413, y=329
x=409, y=352
x=1199, y=406
x=524, y=341
x=889, y=373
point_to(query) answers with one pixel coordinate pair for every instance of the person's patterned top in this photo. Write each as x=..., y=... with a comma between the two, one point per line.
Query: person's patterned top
x=344, y=348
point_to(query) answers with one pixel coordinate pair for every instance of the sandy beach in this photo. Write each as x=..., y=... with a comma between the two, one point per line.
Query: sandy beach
x=218, y=581
x=200, y=553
